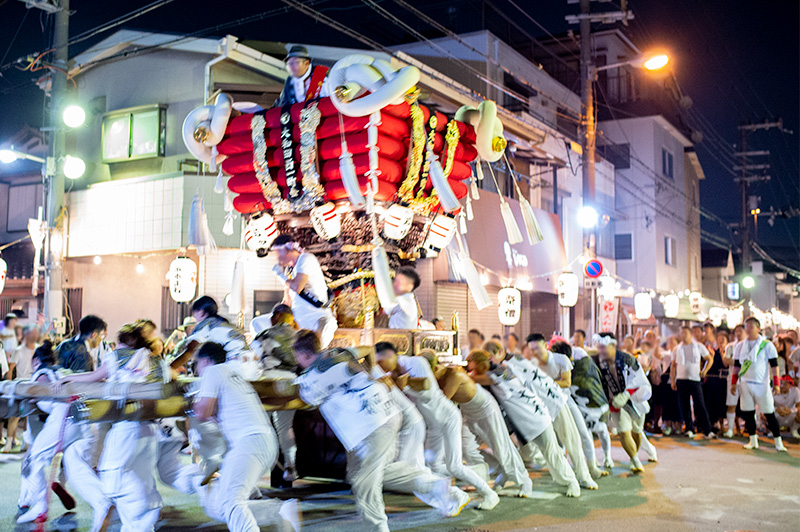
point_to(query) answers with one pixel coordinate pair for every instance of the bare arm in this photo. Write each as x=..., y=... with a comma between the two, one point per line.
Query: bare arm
x=709, y=360
x=566, y=379
x=184, y=357
x=297, y=283
x=100, y=374
x=205, y=408
x=10, y=373
x=673, y=372
x=450, y=383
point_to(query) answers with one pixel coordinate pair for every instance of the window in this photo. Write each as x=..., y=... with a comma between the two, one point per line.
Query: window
x=623, y=246
x=135, y=133
x=669, y=251
x=666, y=163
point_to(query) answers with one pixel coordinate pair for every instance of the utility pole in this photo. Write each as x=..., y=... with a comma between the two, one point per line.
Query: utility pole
x=744, y=180
x=54, y=273
x=588, y=129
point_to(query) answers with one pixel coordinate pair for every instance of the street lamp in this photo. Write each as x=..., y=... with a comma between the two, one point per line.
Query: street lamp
x=8, y=156
x=587, y=217
x=748, y=282
x=74, y=116
x=74, y=167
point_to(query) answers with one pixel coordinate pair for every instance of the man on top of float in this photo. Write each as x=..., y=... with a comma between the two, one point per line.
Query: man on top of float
x=305, y=82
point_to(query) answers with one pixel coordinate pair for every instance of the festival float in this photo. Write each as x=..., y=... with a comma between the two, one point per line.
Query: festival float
x=367, y=179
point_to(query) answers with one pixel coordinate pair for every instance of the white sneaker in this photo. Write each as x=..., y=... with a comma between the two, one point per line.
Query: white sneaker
x=33, y=513
x=652, y=456
x=490, y=500
x=667, y=431
x=779, y=445
x=462, y=500
x=636, y=465
x=289, y=474
x=753, y=443
x=608, y=462
x=290, y=516
x=689, y=434
x=728, y=434
x=711, y=436
x=795, y=434
x=589, y=484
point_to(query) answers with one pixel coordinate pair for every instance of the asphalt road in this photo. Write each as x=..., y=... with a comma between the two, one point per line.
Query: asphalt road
x=695, y=486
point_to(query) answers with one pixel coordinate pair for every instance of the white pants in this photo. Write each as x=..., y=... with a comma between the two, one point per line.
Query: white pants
x=557, y=464
x=246, y=462
x=483, y=418
x=126, y=469
x=568, y=435
x=170, y=470
x=731, y=398
x=283, y=421
x=444, y=454
x=321, y=321
x=411, y=444
x=587, y=442
x=76, y=463
x=209, y=444
x=625, y=421
x=370, y=470
x=789, y=421
x=752, y=394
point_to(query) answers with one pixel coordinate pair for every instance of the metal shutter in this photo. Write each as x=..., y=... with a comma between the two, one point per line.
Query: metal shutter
x=452, y=297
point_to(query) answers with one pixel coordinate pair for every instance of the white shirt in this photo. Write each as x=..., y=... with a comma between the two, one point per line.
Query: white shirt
x=747, y=350
x=411, y=415
x=687, y=360
x=23, y=358
x=135, y=369
x=405, y=314
x=307, y=315
x=788, y=400
x=578, y=353
x=540, y=383
x=431, y=403
x=9, y=339
x=352, y=404
x=526, y=412
x=3, y=364
x=556, y=365
x=239, y=409
x=300, y=85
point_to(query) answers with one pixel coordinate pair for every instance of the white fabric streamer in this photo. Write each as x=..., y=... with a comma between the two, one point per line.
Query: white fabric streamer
x=199, y=232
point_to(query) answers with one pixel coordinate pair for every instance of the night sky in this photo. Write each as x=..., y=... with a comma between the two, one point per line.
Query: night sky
x=738, y=60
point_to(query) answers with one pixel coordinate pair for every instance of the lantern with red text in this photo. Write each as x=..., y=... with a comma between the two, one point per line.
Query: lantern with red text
x=397, y=221
x=510, y=306
x=441, y=232
x=3, y=273
x=182, y=277
x=259, y=233
x=327, y=221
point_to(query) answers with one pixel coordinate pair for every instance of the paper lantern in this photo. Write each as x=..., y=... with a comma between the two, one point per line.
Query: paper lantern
x=608, y=288
x=327, y=221
x=696, y=301
x=397, y=221
x=717, y=315
x=568, y=286
x=182, y=277
x=672, y=304
x=259, y=233
x=442, y=230
x=510, y=306
x=642, y=305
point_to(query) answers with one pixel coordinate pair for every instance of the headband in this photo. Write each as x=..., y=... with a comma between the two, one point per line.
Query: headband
x=289, y=246
x=603, y=340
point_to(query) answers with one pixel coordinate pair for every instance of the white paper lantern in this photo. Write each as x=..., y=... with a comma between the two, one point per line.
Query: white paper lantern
x=717, y=315
x=696, y=301
x=568, y=285
x=672, y=304
x=327, y=221
x=3, y=273
x=397, y=221
x=642, y=305
x=442, y=230
x=259, y=233
x=608, y=288
x=182, y=277
x=510, y=306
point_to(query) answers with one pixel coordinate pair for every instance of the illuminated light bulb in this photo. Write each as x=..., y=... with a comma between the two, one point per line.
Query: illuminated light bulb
x=98, y=259
x=140, y=268
x=74, y=116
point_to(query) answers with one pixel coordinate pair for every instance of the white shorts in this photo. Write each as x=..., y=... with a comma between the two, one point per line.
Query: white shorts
x=627, y=422
x=732, y=398
x=754, y=394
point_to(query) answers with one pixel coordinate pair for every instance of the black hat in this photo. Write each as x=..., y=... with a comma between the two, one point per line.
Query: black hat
x=297, y=51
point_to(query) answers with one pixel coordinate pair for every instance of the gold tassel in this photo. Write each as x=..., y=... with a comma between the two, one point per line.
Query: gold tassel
x=531, y=225
x=512, y=229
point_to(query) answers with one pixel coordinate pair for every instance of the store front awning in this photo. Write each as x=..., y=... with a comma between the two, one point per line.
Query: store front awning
x=533, y=267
